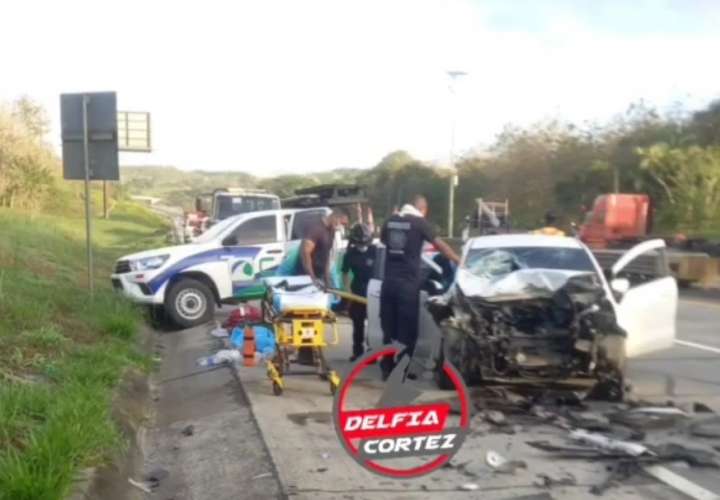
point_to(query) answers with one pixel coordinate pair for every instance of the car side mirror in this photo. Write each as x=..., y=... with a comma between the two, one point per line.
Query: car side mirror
x=620, y=286
x=230, y=241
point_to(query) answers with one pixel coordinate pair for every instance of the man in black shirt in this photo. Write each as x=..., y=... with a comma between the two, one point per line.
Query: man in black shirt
x=360, y=260
x=316, y=246
x=404, y=235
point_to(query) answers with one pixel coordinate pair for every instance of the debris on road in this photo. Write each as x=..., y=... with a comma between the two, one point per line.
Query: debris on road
x=139, y=485
x=219, y=332
x=603, y=442
x=547, y=481
x=535, y=496
x=220, y=357
x=501, y=464
x=469, y=487
x=708, y=428
x=156, y=475
x=619, y=471
x=260, y=476
x=702, y=408
x=188, y=430
x=495, y=417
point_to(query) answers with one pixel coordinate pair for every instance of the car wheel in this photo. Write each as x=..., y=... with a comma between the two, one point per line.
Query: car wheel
x=190, y=303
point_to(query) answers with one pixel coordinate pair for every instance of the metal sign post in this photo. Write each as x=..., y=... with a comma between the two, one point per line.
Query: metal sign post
x=88, y=206
x=90, y=149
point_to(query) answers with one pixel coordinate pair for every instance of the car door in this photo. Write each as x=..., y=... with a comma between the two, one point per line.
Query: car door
x=647, y=310
x=257, y=246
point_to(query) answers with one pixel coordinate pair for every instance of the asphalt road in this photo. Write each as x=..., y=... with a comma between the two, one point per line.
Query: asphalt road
x=248, y=443
x=299, y=433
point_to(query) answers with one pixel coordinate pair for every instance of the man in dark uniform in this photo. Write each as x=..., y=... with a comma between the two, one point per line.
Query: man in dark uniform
x=359, y=260
x=317, y=245
x=404, y=235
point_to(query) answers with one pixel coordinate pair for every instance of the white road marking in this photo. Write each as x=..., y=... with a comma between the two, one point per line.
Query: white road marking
x=702, y=347
x=680, y=483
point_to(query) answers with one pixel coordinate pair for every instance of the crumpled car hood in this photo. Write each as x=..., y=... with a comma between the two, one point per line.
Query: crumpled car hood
x=522, y=284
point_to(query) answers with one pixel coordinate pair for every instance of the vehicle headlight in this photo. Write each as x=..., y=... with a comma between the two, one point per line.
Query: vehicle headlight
x=149, y=263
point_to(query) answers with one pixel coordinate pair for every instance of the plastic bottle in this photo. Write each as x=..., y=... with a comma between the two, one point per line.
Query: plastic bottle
x=220, y=357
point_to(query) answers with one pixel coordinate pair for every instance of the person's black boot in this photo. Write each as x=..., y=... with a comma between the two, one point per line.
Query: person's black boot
x=387, y=363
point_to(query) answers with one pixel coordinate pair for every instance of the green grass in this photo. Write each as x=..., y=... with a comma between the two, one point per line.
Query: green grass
x=61, y=354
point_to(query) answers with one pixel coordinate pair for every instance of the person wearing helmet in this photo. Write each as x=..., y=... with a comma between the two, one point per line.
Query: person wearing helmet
x=359, y=260
x=550, y=229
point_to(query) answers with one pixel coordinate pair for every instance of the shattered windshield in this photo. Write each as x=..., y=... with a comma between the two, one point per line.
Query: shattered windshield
x=492, y=262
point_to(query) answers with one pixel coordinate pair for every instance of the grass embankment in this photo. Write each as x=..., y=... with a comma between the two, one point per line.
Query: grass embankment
x=62, y=354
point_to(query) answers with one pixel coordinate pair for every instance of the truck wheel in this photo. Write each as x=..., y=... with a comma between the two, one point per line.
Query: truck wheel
x=189, y=303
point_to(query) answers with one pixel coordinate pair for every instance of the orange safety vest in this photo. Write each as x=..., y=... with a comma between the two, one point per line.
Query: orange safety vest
x=549, y=231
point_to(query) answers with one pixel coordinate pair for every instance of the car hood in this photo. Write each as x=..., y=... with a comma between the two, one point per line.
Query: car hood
x=175, y=252
x=522, y=284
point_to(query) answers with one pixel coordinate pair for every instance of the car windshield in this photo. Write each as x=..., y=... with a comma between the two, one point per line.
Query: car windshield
x=215, y=230
x=489, y=262
x=229, y=205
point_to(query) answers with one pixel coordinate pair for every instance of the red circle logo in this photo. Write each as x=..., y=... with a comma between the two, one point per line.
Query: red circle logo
x=396, y=438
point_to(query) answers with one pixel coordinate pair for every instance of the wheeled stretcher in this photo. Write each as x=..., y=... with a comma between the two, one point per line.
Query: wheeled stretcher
x=301, y=317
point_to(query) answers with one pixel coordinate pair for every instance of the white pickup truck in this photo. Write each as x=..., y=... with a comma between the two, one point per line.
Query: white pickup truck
x=222, y=265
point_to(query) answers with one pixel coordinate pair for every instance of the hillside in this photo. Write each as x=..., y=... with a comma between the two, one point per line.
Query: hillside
x=62, y=354
x=180, y=187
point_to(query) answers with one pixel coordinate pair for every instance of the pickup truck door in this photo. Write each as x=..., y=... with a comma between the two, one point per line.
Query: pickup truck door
x=648, y=309
x=257, y=245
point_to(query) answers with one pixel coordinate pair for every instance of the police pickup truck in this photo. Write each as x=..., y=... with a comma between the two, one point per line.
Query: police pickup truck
x=222, y=265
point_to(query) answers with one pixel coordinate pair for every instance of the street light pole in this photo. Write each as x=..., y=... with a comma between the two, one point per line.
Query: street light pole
x=454, y=75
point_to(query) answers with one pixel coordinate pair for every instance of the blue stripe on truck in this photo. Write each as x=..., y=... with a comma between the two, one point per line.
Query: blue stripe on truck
x=201, y=258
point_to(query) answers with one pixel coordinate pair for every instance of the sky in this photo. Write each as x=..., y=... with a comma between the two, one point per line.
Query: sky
x=270, y=87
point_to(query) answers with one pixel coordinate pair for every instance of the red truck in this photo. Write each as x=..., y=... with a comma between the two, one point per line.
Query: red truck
x=616, y=220
x=620, y=220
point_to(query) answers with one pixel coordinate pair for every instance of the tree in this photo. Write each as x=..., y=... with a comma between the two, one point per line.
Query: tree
x=32, y=116
x=690, y=181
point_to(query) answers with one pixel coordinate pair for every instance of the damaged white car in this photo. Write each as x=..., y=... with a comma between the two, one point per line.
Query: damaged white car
x=541, y=308
x=534, y=306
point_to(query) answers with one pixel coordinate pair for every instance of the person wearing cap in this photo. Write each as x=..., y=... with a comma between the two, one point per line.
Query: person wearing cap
x=359, y=261
x=550, y=229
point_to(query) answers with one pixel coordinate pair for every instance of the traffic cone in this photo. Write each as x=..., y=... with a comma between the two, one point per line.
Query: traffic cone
x=249, y=347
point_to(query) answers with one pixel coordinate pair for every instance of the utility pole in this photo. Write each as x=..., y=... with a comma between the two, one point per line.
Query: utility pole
x=454, y=75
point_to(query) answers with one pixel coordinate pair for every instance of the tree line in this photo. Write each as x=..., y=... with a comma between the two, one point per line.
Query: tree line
x=674, y=157
x=28, y=166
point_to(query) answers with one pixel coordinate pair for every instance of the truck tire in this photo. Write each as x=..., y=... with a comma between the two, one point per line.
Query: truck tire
x=189, y=303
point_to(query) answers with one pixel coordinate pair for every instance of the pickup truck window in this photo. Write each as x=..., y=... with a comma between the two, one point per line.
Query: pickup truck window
x=256, y=231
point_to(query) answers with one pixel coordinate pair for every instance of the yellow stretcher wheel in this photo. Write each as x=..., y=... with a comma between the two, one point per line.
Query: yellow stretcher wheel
x=277, y=389
x=334, y=381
